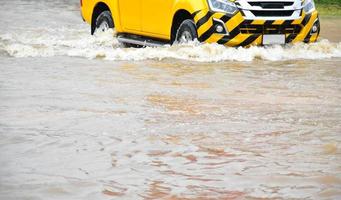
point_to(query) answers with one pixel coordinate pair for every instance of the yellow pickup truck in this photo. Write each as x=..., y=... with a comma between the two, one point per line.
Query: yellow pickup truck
x=227, y=22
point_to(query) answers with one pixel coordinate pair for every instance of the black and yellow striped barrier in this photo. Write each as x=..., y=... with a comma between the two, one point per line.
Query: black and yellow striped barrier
x=243, y=32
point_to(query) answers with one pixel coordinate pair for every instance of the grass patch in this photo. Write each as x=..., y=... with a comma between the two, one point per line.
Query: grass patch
x=328, y=1
x=329, y=7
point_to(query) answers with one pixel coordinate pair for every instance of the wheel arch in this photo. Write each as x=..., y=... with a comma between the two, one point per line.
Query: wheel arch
x=185, y=9
x=98, y=9
x=180, y=16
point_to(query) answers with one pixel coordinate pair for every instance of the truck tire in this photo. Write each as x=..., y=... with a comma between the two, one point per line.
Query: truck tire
x=104, y=22
x=186, y=32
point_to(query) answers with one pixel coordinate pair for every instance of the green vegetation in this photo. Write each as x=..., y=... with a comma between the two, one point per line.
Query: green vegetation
x=328, y=1
x=329, y=7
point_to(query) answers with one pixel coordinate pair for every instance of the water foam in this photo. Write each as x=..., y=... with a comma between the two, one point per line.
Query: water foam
x=79, y=43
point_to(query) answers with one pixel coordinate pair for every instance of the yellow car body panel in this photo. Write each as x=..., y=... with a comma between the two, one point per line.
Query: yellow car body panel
x=131, y=10
x=157, y=17
x=151, y=18
x=154, y=19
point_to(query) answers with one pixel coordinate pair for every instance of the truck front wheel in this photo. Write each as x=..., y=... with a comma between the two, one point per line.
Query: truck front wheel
x=186, y=32
x=104, y=22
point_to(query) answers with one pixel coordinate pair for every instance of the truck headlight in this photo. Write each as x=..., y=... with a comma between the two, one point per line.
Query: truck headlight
x=222, y=6
x=308, y=6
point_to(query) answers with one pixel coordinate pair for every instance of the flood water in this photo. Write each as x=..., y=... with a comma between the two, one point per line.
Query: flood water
x=81, y=117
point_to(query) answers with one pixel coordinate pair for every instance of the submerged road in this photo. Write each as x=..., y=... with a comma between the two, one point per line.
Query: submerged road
x=83, y=118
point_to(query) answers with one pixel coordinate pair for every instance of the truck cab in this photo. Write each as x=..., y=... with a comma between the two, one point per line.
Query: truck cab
x=226, y=22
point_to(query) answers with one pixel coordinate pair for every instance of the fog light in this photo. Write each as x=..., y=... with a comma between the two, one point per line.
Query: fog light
x=219, y=29
x=314, y=29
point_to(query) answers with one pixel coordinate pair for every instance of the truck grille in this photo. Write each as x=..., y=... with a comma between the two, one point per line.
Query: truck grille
x=271, y=4
x=270, y=29
x=251, y=9
x=272, y=13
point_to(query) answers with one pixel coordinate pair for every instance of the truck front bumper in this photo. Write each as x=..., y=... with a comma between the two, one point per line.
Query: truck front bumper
x=241, y=32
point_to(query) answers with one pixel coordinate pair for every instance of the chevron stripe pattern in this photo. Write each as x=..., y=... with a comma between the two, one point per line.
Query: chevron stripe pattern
x=250, y=32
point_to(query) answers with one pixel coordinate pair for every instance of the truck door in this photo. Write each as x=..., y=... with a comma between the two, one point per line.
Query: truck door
x=130, y=14
x=156, y=17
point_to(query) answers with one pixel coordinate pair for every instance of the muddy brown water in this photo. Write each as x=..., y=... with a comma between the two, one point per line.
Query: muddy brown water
x=331, y=28
x=77, y=123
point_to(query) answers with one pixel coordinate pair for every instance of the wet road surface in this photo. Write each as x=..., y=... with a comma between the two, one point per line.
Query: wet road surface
x=81, y=118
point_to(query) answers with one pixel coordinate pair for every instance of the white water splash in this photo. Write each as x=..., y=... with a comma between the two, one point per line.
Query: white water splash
x=79, y=43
